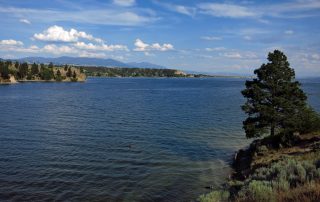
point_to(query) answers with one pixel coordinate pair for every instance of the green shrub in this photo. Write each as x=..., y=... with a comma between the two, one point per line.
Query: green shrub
x=74, y=79
x=257, y=191
x=215, y=196
x=281, y=185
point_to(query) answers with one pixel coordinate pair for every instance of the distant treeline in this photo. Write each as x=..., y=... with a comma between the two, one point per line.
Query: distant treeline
x=132, y=72
x=24, y=71
x=47, y=72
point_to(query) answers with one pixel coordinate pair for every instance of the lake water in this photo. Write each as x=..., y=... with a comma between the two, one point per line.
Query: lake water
x=120, y=139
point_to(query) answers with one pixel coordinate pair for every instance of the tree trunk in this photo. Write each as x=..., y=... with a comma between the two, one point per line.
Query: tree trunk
x=272, y=129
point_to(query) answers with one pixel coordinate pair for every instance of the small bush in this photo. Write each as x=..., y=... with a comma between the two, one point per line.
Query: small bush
x=215, y=196
x=257, y=191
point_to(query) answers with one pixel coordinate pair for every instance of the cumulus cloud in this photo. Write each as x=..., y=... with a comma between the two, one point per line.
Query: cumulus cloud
x=25, y=21
x=17, y=46
x=144, y=47
x=11, y=42
x=226, y=10
x=124, y=2
x=58, y=50
x=100, y=47
x=211, y=38
x=59, y=34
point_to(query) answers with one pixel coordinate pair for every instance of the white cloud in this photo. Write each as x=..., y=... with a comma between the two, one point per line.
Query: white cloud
x=248, y=38
x=211, y=38
x=315, y=56
x=124, y=2
x=92, y=55
x=106, y=16
x=289, y=32
x=226, y=10
x=215, y=49
x=144, y=47
x=11, y=42
x=58, y=50
x=25, y=21
x=184, y=10
x=17, y=46
x=177, y=8
x=101, y=47
x=236, y=55
x=58, y=34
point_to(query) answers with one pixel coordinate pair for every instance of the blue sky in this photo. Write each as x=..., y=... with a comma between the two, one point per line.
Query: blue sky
x=203, y=36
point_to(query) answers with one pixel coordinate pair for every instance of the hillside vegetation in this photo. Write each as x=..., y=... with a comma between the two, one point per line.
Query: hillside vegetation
x=266, y=172
x=132, y=72
x=284, y=165
x=12, y=72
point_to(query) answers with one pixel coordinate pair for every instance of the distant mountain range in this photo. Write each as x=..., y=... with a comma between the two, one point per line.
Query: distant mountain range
x=85, y=61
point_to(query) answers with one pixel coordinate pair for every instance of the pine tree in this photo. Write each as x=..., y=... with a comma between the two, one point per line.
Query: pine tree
x=58, y=76
x=69, y=72
x=4, y=70
x=34, y=69
x=50, y=65
x=274, y=99
x=42, y=67
x=16, y=65
x=23, y=70
x=74, y=75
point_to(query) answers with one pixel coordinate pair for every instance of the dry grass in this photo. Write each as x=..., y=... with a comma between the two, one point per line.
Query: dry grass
x=307, y=193
x=300, y=151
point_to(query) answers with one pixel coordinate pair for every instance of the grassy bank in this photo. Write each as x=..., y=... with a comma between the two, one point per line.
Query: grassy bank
x=273, y=172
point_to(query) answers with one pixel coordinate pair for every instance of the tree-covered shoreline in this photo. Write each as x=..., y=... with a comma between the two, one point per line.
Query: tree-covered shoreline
x=14, y=71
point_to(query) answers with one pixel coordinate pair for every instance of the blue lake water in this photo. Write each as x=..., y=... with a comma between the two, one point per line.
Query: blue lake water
x=120, y=139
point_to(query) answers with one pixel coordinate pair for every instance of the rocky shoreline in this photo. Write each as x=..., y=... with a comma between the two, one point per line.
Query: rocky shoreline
x=265, y=171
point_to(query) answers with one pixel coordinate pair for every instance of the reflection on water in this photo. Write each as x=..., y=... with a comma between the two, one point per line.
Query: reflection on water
x=120, y=139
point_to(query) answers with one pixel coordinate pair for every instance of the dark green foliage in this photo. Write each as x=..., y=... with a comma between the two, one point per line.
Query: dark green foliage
x=81, y=70
x=58, y=76
x=275, y=100
x=50, y=65
x=65, y=67
x=34, y=69
x=23, y=70
x=16, y=65
x=74, y=75
x=8, y=62
x=4, y=70
x=307, y=121
x=130, y=72
x=47, y=74
x=30, y=76
x=69, y=72
x=42, y=67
